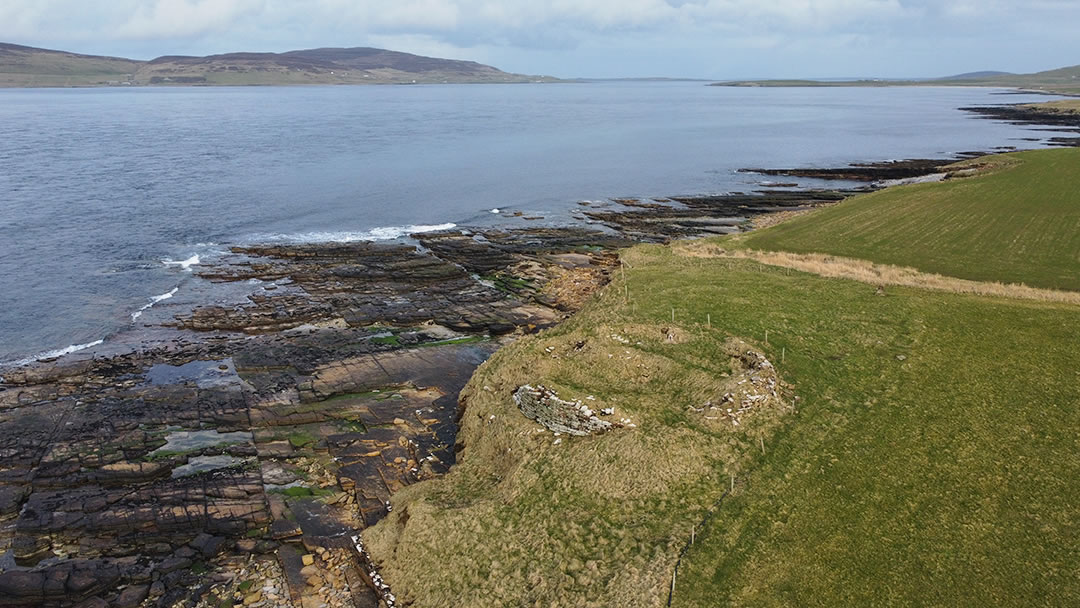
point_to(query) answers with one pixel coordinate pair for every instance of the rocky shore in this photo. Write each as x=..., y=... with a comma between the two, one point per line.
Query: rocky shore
x=1036, y=115
x=233, y=456
x=870, y=172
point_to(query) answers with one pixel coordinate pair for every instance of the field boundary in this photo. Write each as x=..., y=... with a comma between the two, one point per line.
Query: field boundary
x=881, y=275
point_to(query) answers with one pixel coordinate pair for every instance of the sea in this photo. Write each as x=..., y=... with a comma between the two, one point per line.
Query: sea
x=111, y=198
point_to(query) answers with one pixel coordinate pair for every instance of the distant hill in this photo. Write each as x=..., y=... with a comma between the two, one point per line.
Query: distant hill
x=969, y=75
x=23, y=66
x=1064, y=81
x=1061, y=80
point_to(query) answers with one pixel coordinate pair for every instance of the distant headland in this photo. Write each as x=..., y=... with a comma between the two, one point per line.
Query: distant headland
x=1062, y=81
x=24, y=66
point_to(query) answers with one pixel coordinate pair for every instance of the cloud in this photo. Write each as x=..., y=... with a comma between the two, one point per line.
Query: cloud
x=19, y=19
x=557, y=36
x=798, y=13
x=422, y=44
x=487, y=19
x=185, y=18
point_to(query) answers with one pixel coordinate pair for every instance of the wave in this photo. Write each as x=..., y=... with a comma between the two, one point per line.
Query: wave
x=60, y=352
x=382, y=233
x=154, y=300
x=185, y=264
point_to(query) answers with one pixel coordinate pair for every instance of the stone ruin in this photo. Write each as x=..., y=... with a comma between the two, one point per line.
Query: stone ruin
x=571, y=417
x=757, y=388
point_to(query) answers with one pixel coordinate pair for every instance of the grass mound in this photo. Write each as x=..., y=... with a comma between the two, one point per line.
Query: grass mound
x=527, y=518
x=1020, y=224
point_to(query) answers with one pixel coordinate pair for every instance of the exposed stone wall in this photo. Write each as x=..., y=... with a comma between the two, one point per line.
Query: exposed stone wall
x=571, y=417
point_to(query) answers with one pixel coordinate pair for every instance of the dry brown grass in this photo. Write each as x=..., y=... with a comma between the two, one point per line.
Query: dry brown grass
x=881, y=275
x=982, y=165
x=772, y=219
x=1065, y=106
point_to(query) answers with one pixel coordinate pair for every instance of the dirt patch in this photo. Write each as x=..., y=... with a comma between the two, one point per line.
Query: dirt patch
x=772, y=219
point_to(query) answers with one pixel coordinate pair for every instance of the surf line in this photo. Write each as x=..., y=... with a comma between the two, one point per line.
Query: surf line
x=185, y=264
x=154, y=300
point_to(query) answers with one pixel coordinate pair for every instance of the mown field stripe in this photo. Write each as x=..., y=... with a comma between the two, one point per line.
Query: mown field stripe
x=1020, y=224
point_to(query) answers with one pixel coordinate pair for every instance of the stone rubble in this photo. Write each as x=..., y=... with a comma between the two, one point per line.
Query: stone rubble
x=571, y=417
x=758, y=385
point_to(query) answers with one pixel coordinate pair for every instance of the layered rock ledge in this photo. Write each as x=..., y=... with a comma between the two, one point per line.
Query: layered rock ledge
x=233, y=456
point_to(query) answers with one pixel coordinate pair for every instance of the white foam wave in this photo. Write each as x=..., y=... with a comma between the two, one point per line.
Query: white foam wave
x=185, y=264
x=60, y=352
x=383, y=233
x=154, y=300
x=496, y=210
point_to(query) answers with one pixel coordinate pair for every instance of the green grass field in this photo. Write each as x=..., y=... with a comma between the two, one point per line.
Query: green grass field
x=929, y=459
x=1016, y=225
x=942, y=479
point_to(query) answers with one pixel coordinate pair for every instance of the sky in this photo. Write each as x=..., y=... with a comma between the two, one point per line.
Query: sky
x=715, y=39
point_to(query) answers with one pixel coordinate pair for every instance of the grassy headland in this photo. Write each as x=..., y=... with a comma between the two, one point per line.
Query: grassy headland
x=1065, y=106
x=928, y=459
x=530, y=518
x=1065, y=81
x=940, y=475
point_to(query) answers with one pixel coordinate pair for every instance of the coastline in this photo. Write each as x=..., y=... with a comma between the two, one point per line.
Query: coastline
x=342, y=379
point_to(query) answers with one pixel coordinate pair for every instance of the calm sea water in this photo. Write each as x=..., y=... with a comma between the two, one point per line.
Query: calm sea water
x=107, y=195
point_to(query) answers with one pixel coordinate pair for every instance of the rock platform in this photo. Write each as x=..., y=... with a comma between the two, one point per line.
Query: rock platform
x=230, y=458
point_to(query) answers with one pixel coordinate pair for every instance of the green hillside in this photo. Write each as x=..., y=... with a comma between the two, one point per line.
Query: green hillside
x=1020, y=224
x=26, y=66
